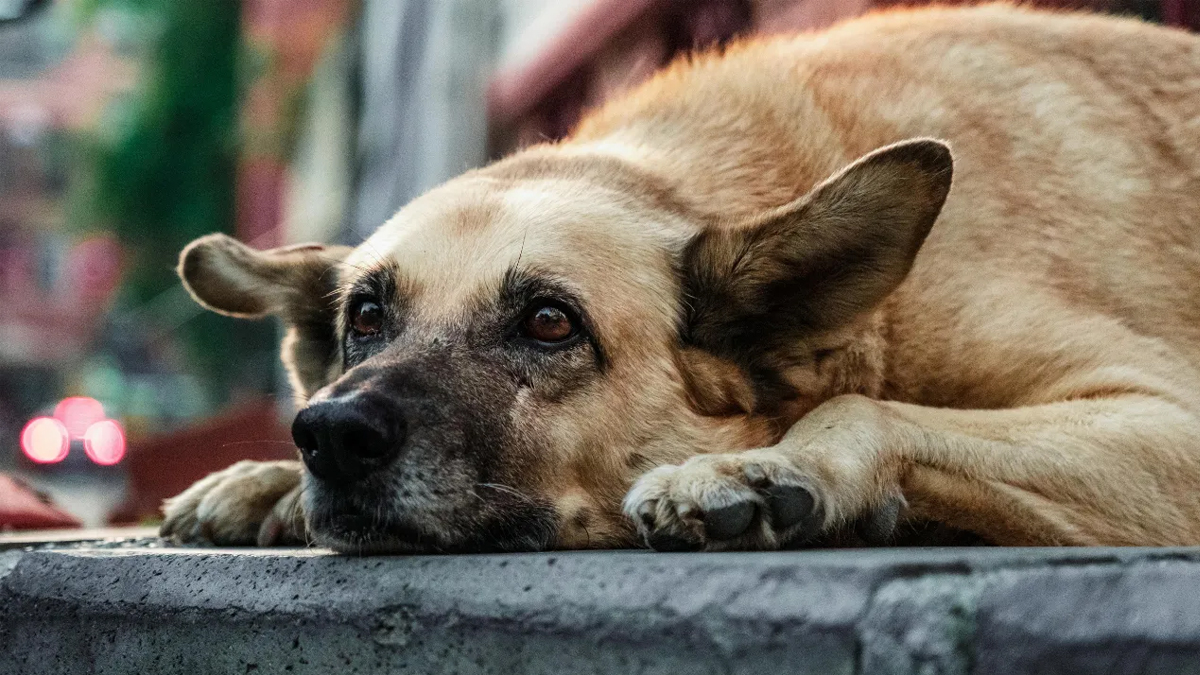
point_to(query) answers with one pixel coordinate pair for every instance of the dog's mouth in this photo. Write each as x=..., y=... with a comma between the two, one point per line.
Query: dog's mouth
x=352, y=531
x=359, y=533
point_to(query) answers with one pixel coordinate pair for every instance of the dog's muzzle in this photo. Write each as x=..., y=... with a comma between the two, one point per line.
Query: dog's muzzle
x=404, y=456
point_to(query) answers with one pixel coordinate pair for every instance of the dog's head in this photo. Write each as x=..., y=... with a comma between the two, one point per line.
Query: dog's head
x=495, y=366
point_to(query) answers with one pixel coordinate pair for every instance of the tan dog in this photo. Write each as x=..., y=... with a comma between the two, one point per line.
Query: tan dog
x=722, y=315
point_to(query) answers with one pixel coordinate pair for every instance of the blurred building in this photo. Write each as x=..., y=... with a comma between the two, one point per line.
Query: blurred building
x=55, y=283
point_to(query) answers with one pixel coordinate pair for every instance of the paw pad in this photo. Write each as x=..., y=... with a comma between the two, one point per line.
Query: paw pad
x=729, y=522
x=723, y=502
x=790, y=505
x=664, y=542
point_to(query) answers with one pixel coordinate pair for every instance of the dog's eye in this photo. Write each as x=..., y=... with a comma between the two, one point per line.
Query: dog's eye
x=550, y=324
x=366, y=318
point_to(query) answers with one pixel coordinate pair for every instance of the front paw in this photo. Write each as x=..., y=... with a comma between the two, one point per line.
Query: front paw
x=755, y=500
x=247, y=504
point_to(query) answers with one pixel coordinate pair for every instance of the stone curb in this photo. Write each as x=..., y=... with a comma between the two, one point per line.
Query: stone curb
x=90, y=609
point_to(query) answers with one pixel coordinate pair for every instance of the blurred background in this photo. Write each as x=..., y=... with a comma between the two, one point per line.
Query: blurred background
x=130, y=127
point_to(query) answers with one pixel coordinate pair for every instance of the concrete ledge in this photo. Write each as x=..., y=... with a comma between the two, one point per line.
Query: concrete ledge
x=134, y=609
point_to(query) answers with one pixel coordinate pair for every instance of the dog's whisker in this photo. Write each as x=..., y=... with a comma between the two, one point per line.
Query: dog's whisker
x=262, y=442
x=508, y=489
x=339, y=262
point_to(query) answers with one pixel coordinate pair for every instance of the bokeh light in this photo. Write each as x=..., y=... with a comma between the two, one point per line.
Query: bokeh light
x=45, y=440
x=78, y=413
x=104, y=442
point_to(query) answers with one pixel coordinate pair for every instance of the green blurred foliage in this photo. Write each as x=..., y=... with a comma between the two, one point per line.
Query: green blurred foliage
x=161, y=169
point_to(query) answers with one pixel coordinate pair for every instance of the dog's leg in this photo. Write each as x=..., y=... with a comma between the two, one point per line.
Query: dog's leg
x=248, y=503
x=1121, y=471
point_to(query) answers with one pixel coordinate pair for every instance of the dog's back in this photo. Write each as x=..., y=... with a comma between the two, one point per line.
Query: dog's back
x=1077, y=182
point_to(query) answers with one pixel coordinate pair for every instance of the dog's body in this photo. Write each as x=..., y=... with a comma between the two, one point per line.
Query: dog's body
x=756, y=332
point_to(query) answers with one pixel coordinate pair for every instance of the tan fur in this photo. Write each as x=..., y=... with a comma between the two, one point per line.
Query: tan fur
x=248, y=503
x=1035, y=378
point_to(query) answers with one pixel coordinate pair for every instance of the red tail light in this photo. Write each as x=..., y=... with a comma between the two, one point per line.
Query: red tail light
x=78, y=413
x=104, y=442
x=46, y=440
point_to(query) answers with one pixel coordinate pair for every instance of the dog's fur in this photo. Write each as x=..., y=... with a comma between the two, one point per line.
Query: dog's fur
x=764, y=361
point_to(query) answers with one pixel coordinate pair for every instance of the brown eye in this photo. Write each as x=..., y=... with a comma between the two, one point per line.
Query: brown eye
x=549, y=324
x=366, y=318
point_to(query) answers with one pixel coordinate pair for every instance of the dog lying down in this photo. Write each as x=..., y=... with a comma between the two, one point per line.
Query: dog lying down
x=743, y=307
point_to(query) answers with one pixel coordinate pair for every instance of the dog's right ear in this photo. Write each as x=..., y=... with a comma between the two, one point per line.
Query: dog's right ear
x=228, y=277
x=294, y=283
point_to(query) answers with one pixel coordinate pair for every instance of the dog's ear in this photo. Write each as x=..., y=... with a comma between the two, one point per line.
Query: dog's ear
x=231, y=278
x=294, y=283
x=817, y=263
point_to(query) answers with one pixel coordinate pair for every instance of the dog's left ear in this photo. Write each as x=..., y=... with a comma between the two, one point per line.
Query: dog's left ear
x=817, y=263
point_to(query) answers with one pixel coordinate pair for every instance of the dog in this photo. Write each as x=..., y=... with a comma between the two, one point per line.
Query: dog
x=936, y=266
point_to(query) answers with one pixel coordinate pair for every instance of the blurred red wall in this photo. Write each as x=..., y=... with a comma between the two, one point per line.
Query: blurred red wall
x=163, y=466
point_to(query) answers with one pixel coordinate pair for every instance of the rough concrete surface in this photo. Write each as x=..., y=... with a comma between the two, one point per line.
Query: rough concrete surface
x=141, y=609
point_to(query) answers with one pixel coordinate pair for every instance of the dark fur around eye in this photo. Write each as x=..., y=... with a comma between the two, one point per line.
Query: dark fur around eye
x=373, y=313
x=525, y=293
x=366, y=330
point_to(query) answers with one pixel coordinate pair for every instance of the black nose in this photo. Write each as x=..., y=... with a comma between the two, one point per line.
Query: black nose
x=346, y=439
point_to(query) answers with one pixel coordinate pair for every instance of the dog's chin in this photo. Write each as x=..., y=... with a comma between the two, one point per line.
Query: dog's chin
x=361, y=535
x=358, y=534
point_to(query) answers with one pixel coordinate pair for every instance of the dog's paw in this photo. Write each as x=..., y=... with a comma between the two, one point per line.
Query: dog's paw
x=247, y=504
x=754, y=500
